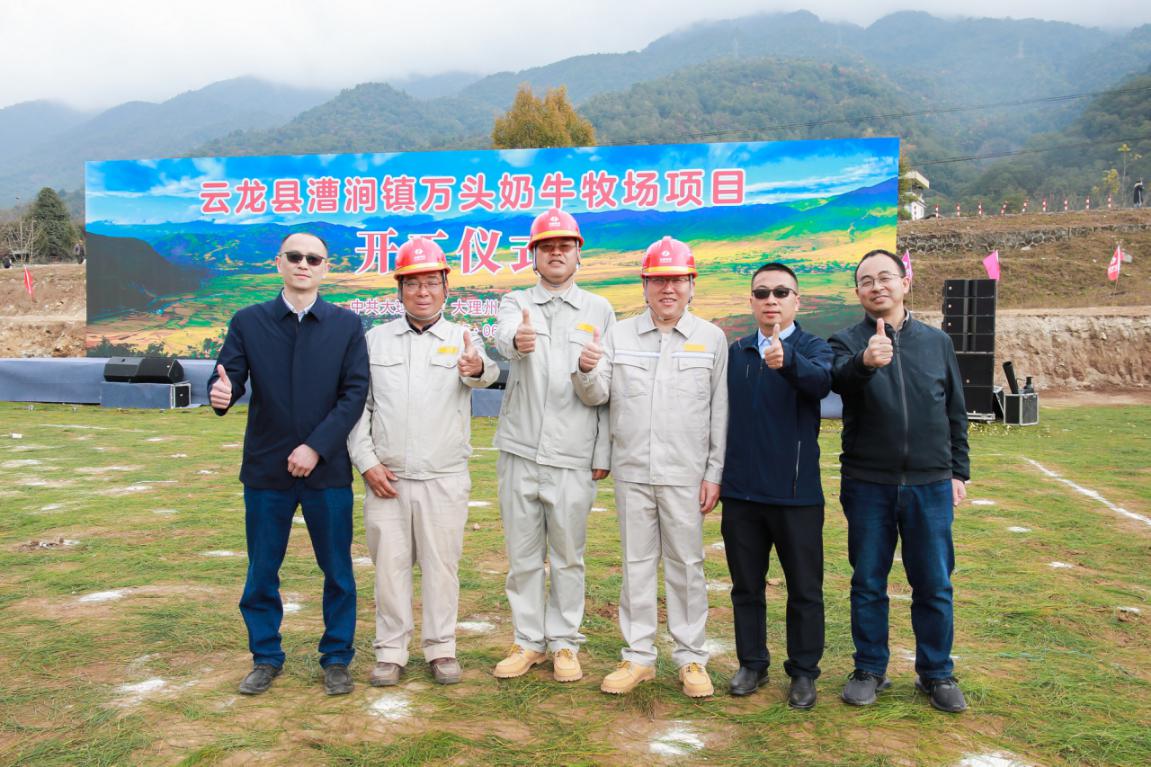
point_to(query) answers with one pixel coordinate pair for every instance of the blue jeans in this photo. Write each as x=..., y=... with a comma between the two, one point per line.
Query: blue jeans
x=876, y=516
x=268, y=522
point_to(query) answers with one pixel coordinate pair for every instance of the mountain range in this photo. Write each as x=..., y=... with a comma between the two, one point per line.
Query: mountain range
x=950, y=88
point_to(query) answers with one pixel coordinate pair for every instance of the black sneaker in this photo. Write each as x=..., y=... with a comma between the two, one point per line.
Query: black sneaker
x=337, y=680
x=862, y=686
x=945, y=694
x=259, y=679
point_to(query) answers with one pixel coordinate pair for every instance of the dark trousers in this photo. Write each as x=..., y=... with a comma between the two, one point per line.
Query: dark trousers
x=749, y=532
x=268, y=521
x=877, y=516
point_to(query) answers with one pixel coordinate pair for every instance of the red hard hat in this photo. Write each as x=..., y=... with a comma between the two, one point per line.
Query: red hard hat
x=418, y=256
x=554, y=223
x=668, y=258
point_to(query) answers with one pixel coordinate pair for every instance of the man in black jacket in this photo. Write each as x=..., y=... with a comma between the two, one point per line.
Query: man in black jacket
x=904, y=464
x=307, y=364
x=771, y=491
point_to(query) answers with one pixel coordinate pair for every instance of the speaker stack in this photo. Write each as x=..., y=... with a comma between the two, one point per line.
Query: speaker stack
x=969, y=320
x=143, y=382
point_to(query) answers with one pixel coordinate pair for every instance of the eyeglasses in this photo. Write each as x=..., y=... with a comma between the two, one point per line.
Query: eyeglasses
x=295, y=258
x=779, y=292
x=886, y=279
x=661, y=282
x=412, y=286
x=566, y=248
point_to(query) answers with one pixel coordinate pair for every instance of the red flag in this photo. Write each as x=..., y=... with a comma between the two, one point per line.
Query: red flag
x=28, y=281
x=907, y=264
x=1113, y=267
x=991, y=264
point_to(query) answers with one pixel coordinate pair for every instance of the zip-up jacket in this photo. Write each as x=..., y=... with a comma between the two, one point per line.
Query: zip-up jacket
x=904, y=423
x=773, y=429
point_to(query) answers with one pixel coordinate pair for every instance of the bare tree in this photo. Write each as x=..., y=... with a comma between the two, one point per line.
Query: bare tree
x=20, y=236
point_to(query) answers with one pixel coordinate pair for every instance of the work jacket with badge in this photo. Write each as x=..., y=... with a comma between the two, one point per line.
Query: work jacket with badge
x=668, y=400
x=417, y=420
x=541, y=418
x=773, y=432
x=904, y=423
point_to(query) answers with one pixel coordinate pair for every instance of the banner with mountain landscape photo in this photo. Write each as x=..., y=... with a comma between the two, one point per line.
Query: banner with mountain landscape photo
x=176, y=246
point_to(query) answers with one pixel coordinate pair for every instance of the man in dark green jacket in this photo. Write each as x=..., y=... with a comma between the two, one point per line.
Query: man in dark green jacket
x=904, y=464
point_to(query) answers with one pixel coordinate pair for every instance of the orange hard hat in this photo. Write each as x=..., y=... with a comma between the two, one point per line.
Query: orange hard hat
x=668, y=258
x=420, y=255
x=554, y=223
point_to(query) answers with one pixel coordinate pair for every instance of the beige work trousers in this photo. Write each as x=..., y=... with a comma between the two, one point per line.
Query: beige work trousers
x=657, y=520
x=424, y=524
x=544, y=511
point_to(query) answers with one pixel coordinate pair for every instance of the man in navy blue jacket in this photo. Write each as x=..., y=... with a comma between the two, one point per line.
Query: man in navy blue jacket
x=307, y=364
x=771, y=491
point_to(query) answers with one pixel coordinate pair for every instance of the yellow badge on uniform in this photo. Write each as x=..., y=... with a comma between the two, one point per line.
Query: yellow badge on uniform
x=694, y=348
x=586, y=328
x=448, y=350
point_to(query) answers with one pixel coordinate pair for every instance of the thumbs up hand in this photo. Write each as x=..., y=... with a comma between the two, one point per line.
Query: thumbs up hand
x=470, y=364
x=591, y=354
x=221, y=394
x=773, y=357
x=880, y=350
x=525, y=338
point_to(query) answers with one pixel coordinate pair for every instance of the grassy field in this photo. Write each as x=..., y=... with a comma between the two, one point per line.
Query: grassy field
x=121, y=563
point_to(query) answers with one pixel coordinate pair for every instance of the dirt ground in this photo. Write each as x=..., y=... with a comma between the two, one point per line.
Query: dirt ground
x=51, y=322
x=1059, y=318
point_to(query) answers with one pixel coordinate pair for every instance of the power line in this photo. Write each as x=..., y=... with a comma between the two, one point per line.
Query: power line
x=1017, y=152
x=902, y=115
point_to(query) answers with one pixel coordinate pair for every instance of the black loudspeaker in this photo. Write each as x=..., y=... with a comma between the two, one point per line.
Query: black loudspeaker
x=969, y=321
x=144, y=370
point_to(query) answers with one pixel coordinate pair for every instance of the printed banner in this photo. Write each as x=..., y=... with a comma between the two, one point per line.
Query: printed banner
x=176, y=246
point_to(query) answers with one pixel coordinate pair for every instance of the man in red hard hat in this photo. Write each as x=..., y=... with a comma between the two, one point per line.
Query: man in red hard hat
x=553, y=448
x=663, y=374
x=412, y=445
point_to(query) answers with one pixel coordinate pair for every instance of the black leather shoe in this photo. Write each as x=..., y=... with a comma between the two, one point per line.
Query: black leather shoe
x=746, y=681
x=944, y=693
x=337, y=680
x=259, y=679
x=801, y=693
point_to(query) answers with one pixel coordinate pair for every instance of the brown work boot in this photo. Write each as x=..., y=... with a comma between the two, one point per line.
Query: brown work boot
x=385, y=674
x=696, y=682
x=626, y=677
x=446, y=670
x=518, y=662
x=565, y=666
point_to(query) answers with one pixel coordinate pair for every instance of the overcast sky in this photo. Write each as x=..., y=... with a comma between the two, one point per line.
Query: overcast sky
x=96, y=54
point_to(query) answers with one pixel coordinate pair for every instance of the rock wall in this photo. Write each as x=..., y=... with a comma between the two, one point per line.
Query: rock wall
x=1076, y=350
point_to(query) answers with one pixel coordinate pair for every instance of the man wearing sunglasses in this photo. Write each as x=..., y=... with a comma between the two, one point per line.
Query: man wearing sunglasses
x=412, y=446
x=553, y=449
x=772, y=495
x=307, y=365
x=663, y=375
x=904, y=464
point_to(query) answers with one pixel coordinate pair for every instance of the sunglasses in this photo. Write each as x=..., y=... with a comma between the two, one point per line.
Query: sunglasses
x=295, y=258
x=780, y=293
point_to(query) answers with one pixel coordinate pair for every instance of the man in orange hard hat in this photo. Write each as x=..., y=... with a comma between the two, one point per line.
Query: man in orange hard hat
x=664, y=375
x=412, y=445
x=553, y=448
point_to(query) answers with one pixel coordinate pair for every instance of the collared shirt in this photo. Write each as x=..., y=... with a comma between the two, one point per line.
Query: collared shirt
x=302, y=313
x=417, y=419
x=765, y=341
x=667, y=395
x=309, y=378
x=541, y=418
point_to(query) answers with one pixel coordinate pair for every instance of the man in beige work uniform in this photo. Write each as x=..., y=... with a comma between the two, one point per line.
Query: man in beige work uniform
x=412, y=446
x=552, y=449
x=665, y=375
